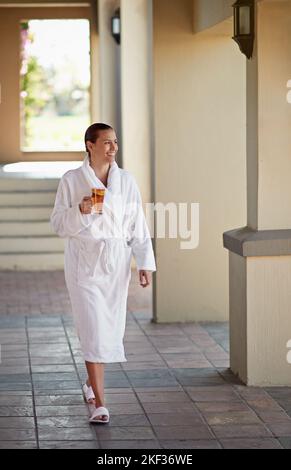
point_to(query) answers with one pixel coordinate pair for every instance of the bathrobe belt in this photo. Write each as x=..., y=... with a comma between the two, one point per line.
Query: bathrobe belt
x=108, y=256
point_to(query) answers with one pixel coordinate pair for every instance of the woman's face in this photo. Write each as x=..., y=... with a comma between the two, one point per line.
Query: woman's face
x=105, y=148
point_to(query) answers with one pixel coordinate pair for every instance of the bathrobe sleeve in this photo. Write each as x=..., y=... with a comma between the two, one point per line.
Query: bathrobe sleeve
x=140, y=240
x=67, y=220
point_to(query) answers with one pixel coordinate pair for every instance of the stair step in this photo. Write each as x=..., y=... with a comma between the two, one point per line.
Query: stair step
x=27, y=240
x=27, y=198
x=25, y=213
x=32, y=228
x=26, y=184
x=31, y=244
x=32, y=261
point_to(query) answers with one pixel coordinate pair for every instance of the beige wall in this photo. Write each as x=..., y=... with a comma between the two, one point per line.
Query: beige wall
x=207, y=13
x=9, y=79
x=136, y=95
x=268, y=320
x=110, y=100
x=260, y=302
x=237, y=319
x=269, y=117
x=200, y=156
x=274, y=70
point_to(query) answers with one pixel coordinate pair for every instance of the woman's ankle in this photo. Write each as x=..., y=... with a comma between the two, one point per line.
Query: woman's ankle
x=99, y=403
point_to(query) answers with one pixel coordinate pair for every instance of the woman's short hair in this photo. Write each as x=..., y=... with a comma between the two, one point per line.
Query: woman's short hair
x=92, y=133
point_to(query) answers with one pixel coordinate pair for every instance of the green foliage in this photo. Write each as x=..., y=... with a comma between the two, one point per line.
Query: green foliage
x=32, y=84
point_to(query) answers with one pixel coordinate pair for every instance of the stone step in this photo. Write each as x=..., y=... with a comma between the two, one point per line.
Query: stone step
x=28, y=184
x=32, y=261
x=31, y=244
x=25, y=213
x=27, y=241
x=32, y=228
x=27, y=198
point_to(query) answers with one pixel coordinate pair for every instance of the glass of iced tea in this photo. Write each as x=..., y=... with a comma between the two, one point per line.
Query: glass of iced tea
x=97, y=200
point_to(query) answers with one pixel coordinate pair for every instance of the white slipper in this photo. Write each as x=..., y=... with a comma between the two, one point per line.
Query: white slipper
x=100, y=411
x=88, y=393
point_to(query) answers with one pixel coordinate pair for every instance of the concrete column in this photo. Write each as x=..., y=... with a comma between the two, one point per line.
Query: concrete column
x=260, y=258
x=109, y=66
x=136, y=92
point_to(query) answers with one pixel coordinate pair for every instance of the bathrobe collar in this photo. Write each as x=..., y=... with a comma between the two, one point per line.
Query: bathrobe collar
x=113, y=181
x=112, y=207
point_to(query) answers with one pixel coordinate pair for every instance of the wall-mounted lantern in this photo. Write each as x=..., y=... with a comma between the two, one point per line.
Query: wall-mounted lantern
x=116, y=25
x=244, y=26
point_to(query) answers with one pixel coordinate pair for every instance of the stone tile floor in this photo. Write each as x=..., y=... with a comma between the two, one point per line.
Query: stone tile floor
x=175, y=391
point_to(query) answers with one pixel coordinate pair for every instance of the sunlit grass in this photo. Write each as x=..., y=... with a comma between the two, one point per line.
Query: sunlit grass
x=51, y=133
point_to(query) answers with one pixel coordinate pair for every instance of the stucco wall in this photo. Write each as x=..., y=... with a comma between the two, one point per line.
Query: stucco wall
x=208, y=13
x=200, y=133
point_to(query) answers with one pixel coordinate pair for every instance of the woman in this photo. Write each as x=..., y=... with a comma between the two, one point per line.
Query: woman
x=98, y=250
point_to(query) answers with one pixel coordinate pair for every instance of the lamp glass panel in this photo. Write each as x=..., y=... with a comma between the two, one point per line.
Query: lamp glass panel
x=116, y=26
x=244, y=20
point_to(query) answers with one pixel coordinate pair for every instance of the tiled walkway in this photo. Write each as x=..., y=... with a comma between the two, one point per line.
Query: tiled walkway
x=175, y=391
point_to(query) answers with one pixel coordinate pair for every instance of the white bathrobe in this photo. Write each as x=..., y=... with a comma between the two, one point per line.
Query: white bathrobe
x=98, y=250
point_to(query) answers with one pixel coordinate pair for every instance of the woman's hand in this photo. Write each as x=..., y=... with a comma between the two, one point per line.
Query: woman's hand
x=86, y=205
x=145, y=278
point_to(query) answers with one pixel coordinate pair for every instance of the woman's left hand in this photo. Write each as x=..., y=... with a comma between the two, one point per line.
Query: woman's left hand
x=144, y=278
